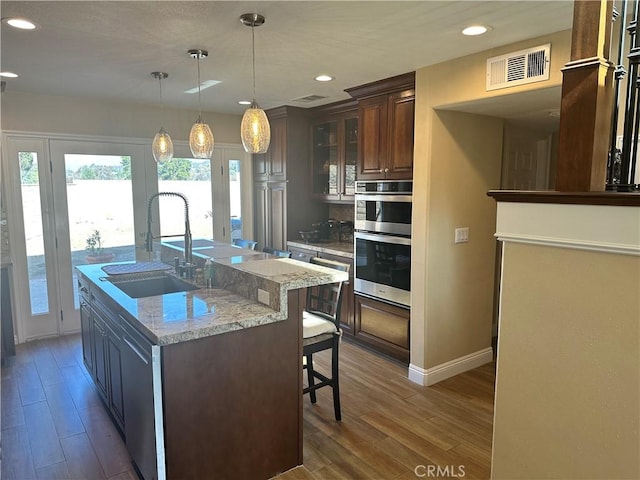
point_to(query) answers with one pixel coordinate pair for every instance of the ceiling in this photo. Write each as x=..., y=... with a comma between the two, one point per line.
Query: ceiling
x=107, y=49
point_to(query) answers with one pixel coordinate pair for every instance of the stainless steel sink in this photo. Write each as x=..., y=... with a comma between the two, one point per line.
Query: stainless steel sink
x=158, y=284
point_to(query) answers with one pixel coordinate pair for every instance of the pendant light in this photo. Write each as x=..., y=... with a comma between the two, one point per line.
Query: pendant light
x=162, y=145
x=200, y=137
x=254, y=130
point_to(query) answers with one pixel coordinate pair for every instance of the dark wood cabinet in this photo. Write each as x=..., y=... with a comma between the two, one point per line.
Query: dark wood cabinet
x=272, y=165
x=270, y=212
x=386, y=128
x=283, y=204
x=382, y=326
x=101, y=349
x=334, y=152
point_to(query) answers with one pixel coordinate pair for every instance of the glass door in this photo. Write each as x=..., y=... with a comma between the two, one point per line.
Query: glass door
x=95, y=221
x=31, y=225
x=232, y=194
x=70, y=203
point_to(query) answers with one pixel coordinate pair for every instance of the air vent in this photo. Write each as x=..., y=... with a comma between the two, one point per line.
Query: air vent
x=517, y=68
x=309, y=98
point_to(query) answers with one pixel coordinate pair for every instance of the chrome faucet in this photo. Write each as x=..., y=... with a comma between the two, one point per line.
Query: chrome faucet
x=187, y=229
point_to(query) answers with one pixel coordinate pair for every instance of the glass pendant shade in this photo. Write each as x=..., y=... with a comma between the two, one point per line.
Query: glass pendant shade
x=255, y=130
x=162, y=147
x=201, y=140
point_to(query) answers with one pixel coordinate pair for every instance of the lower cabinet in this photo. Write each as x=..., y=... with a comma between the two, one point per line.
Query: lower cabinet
x=101, y=351
x=383, y=327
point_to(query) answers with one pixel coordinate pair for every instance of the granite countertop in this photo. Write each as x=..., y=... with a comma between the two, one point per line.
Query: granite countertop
x=341, y=249
x=182, y=316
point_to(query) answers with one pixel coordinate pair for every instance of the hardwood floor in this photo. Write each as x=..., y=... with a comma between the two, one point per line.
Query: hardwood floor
x=55, y=427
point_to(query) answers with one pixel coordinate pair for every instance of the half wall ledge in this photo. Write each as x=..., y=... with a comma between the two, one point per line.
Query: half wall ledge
x=624, y=199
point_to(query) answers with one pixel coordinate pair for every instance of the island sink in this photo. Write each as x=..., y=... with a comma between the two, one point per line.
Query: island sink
x=152, y=286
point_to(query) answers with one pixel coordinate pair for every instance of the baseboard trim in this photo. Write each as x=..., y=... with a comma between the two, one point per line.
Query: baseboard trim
x=449, y=369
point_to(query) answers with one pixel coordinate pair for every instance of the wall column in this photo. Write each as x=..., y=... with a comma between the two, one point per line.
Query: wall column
x=587, y=96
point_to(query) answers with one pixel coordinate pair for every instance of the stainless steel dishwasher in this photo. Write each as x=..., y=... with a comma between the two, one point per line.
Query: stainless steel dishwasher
x=142, y=403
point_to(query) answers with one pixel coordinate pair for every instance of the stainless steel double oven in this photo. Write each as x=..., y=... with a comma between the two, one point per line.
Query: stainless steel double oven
x=382, y=237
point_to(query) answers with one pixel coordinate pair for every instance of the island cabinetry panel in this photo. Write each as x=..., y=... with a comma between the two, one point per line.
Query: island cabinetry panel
x=386, y=128
x=101, y=347
x=334, y=151
x=283, y=203
x=383, y=326
x=232, y=408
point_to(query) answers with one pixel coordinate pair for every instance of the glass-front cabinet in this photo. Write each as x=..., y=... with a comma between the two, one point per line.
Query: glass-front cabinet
x=335, y=152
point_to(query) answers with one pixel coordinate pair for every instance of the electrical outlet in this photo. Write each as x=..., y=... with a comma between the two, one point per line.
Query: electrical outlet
x=263, y=296
x=462, y=235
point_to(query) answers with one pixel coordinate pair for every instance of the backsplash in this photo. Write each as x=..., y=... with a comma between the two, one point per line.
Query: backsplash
x=341, y=212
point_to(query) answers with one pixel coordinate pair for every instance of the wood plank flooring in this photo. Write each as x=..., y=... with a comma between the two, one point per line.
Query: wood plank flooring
x=55, y=427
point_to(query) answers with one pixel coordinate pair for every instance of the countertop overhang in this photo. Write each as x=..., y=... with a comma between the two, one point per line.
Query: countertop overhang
x=182, y=316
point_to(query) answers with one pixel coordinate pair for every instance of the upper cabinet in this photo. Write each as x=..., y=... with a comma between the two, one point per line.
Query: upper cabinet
x=272, y=165
x=385, y=131
x=334, y=151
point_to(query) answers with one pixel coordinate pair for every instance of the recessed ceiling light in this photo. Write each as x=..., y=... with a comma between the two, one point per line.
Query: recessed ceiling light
x=244, y=102
x=8, y=74
x=21, y=23
x=324, y=78
x=476, y=30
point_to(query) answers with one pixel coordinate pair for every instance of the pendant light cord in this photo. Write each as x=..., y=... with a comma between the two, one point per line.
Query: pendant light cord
x=253, y=53
x=199, y=101
x=161, y=105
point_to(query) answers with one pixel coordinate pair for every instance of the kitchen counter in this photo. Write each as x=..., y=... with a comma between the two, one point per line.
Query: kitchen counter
x=341, y=249
x=177, y=317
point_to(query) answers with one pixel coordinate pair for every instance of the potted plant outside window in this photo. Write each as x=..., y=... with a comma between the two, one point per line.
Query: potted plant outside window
x=95, y=250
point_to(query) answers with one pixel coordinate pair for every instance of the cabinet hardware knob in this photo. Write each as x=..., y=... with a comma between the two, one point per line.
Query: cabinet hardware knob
x=380, y=171
x=386, y=170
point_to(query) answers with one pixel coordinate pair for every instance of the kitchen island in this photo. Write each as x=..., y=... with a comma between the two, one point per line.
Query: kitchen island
x=205, y=383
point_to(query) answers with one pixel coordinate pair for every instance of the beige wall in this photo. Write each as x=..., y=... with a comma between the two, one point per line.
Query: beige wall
x=457, y=158
x=568, y=384
x=460, y=277
x=83, y=116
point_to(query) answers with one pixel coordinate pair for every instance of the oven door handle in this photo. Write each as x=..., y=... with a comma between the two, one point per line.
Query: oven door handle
x=383, y=198
x=383, y=238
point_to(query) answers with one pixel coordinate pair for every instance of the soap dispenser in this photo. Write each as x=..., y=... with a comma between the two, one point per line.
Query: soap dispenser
x=208, y=273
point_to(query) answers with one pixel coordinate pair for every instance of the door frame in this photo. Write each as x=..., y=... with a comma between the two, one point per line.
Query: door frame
x=146, y=184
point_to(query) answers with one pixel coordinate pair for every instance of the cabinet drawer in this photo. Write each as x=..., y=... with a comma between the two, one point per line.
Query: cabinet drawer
x=383, y=326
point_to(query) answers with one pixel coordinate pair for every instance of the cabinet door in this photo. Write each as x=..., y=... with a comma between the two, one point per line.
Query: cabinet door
x=382, y=326
x=277, y=166
x=326, y=162
x=277, y=216
x=401, y=123
x=260, y=215
x=100, y=359
x=349, y=157
x=260, y=166
x=116, y=401
x=372, y=141
x=87, y=334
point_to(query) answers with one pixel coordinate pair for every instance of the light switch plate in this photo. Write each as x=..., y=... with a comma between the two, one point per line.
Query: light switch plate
x=462, y=235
